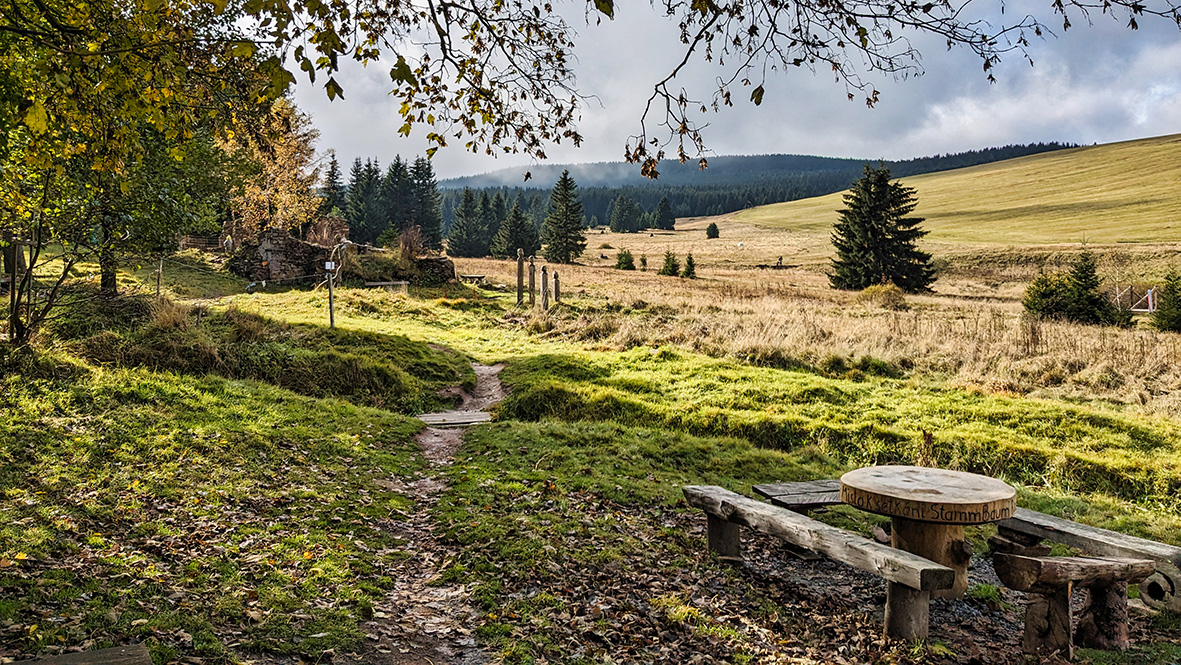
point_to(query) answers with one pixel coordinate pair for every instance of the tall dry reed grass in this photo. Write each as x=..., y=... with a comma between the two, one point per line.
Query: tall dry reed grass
x=791, y=319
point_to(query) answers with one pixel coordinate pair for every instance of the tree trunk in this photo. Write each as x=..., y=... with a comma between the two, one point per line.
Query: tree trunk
x=107, y=265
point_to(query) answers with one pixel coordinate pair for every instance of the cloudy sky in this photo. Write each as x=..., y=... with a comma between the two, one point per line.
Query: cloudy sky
x=1091, y=84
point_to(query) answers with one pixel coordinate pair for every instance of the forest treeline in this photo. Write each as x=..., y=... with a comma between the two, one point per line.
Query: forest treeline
x=728, y=185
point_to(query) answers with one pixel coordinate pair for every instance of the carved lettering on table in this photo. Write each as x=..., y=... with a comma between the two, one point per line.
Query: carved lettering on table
x=925, y=512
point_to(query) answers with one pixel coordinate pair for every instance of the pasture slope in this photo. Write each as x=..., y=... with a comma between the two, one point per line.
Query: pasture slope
x=1113, y=193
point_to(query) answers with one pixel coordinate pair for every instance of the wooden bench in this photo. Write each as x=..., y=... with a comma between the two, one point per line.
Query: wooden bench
x=389, y=286
x=802, y=497
x=1161, y=590
x=910, y=578
x=135, y=654
x=1103, y=620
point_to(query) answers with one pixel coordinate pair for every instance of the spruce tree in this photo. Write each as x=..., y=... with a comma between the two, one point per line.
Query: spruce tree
x=334, y=189
x=624, y=260
x=468, y=236
x=361, y=206
x=395, y=199
x=1168, y=304
x=561, y=232
x=625, y=215
x=664, y=217
x=428, y=214
x=711, y=231
x=499, y=213
x=690, y=271
x=517, y=232
x=1074, y=295
x=875, y=240
x=671, y=266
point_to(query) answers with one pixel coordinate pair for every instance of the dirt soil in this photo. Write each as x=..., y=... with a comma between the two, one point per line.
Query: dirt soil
x=425, y=621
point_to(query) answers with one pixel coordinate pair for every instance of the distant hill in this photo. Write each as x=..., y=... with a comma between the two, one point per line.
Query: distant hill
x=730, y=170
x=728, y=185
x=1112, y=193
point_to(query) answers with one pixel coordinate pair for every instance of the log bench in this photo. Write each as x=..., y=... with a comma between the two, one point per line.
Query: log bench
x=1049, y=581
x=1161, y=589
x=910, y=577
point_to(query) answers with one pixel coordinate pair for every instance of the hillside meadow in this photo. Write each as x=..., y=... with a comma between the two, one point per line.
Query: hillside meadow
x=218, y=474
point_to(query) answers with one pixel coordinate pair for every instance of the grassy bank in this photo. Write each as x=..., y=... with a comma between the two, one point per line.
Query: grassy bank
x=203, y=516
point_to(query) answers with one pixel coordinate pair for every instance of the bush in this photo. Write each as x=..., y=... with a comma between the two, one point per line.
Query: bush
x=1168, y=304
x=624, y=260
x=886, y=296
x=711, y=231
x=644, y=262
x=690, y=271
x=671, y=266
x=1074, y=296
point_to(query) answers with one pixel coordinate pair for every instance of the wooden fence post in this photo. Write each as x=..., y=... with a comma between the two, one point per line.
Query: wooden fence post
x=520, y=277
x=557, y=289
x=544, y=289
x=532, y=282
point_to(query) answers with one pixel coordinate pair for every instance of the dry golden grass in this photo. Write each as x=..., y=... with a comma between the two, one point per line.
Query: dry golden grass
x=1113, y=193
x=792, y=318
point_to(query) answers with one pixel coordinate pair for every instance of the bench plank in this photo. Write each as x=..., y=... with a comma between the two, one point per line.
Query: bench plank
x=1089, y=538
x=135, y=654
x=836, y=543
x=802, y=495
x=1024, y=572
x=1161, y=590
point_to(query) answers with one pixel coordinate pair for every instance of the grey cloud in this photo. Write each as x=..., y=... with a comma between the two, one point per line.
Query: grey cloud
x=1094, y=83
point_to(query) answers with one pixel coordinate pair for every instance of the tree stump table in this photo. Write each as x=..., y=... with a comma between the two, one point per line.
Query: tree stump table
x=928, y=509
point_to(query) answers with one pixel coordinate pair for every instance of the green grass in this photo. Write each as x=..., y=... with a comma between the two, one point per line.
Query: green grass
x=1114, y=193
x=181, y=495
x=198, y=514
x=865, y=421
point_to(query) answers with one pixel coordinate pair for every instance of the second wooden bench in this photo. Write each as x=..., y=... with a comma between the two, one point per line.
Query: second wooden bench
x=910, y=578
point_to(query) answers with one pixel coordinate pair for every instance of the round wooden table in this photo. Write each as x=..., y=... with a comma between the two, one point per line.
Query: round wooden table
x=928, y=509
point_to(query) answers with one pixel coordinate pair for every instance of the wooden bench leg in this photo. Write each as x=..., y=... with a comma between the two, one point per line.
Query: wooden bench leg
x=725, y=539
x=908, y=612
x=1047, y=623
x=1103, y=621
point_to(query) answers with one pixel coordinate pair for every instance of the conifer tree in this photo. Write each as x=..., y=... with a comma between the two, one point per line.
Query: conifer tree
x=671, y=266
x=334, y=190
x=1168, y=304
x=517, y=232
x=711, y=231
x=395, y=199
x=875, y=240
x=499, y=213
x=361, y=207
x=625, y=215
x=624, y=260
x=468, y=236
x=1074, y=295
x=664, y=217
x=690, y=271
x=428, y=214
x=561, y=233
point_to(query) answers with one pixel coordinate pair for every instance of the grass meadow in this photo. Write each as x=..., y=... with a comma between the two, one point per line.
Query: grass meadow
x=220, y=475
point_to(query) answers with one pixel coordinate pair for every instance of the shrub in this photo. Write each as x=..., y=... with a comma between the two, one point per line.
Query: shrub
x=711, y=231
x=1168, y=304
x=1074, y=296
x=671, y=266
x=624, y=260
x=886, y=296
x=690, y=271
x=644, y=262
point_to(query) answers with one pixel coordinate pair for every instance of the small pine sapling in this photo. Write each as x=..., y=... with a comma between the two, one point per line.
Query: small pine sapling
x=624, y=260
x=711, y=231
x=644, y=262
x=1168, y=304
x=690, y=271
x=671, y=266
